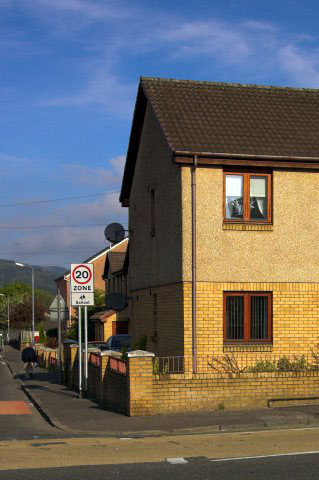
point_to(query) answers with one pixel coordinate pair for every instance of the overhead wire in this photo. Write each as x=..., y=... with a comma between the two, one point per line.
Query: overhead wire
x=57, y=199
x=24, y=227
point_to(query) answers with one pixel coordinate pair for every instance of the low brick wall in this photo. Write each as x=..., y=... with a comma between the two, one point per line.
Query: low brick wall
x=114, y=387
x=94, y=381
x=47, y=357
x=179, y=393
x=133, y=389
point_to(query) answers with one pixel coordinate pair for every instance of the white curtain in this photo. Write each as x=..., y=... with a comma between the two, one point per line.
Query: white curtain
x=234, y=186
x=258, y=191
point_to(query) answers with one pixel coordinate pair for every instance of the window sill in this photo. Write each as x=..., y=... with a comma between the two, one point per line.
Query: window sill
x=266, y=347
x=248, y=227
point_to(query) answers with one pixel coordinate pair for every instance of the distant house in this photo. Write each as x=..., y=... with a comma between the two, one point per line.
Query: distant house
x=221, y=182
x=114, y=321
x=63, y=282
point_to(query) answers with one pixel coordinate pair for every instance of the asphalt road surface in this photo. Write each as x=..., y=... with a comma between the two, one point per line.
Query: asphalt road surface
x=31, y=449
x=19, y=419
x=298, y=467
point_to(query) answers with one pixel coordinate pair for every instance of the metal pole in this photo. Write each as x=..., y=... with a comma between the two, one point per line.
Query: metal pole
x=80, y=351
x=8, y=334
x=59, y=340
x=70, y=300
x=32, y=306
x=86, y=349
x=194, y=333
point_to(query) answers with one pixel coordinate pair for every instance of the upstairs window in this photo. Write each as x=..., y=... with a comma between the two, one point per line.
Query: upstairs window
x=247, y=197
x=247, y=317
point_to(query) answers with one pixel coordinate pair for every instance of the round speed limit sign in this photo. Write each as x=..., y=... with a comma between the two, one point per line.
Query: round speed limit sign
x=82, y=277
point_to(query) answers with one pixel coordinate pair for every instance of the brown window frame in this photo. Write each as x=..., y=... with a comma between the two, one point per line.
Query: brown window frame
x=246, y=196
x=247, y=339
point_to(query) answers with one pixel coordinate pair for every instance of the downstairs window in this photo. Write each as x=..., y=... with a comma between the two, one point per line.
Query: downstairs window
x=247, y=317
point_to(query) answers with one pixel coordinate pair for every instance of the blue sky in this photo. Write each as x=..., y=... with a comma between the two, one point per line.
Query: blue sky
x=68, y=82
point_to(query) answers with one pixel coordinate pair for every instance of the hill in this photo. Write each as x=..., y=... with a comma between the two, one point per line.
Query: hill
x=43, y=276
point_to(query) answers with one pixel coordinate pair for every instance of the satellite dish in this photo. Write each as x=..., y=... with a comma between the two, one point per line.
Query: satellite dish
x=116, y=301
x=114, y=232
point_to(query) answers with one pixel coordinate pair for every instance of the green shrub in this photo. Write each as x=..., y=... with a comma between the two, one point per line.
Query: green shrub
x=156, y=366
x=42, y=336
x=298, y=363
x=141, y=343
x=263, y=366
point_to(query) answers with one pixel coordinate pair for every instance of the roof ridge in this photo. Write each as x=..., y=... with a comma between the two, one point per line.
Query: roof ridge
x=229, y=84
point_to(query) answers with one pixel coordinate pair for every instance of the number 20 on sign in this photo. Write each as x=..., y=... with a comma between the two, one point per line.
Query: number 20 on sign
x=82, y=278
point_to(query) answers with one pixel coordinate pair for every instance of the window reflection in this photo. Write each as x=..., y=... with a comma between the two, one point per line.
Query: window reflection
x=258, y=197
x=234, y=196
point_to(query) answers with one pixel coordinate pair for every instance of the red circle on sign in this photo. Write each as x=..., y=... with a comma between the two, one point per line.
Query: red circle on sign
x=77, y=280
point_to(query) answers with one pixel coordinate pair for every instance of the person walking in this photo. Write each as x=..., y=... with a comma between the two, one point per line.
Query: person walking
x=29, y=357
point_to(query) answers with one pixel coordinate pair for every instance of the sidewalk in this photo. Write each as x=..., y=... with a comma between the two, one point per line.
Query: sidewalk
x=64, y=410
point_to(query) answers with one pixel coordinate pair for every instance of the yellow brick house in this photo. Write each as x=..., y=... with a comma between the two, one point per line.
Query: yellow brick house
x=222, y=182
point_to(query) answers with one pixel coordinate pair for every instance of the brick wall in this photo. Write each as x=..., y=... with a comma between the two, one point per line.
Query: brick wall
x=141, y=392
x=114, y=388
x=246, y=390
x=162, y=315
x=190, y=392
x=140, y=386
x=295, y=319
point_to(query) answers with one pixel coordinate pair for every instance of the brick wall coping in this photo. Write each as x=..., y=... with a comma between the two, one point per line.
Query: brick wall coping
x=94, y=350
x=111, y=353
x=140, y=353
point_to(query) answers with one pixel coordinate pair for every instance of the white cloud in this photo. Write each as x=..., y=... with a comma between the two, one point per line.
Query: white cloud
x=107, y=177
x=93, y=10
x=208, y=38
x=301, y=65
x=105, y=210
x=104, y=90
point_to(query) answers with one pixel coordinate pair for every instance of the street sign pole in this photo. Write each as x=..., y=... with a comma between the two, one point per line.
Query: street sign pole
x=82, y=295
x=86, y=366
x=59, y=340
x=80, y=352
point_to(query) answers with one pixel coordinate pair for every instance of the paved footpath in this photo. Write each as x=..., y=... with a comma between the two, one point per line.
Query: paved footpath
x=72, y=415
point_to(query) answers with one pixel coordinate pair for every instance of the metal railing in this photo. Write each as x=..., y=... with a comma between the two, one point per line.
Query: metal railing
x=168, y=365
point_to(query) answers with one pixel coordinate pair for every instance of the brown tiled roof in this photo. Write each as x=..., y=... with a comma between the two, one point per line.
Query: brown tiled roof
x=227, y=118
x=234, y=118
x=102, y=316
x=116, y=260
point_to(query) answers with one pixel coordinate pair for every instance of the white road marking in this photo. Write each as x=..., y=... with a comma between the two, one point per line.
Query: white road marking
x=264, y=456
x=177, y=461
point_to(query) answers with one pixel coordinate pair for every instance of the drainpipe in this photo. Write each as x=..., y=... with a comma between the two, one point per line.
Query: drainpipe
x=194, y=336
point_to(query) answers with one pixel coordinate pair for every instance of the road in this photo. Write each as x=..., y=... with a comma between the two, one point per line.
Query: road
x=31, y=448
x=19, y=419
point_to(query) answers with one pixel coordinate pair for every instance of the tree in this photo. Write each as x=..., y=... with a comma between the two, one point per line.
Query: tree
x=99, y=305
x=21, y=314
x=20, y=298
